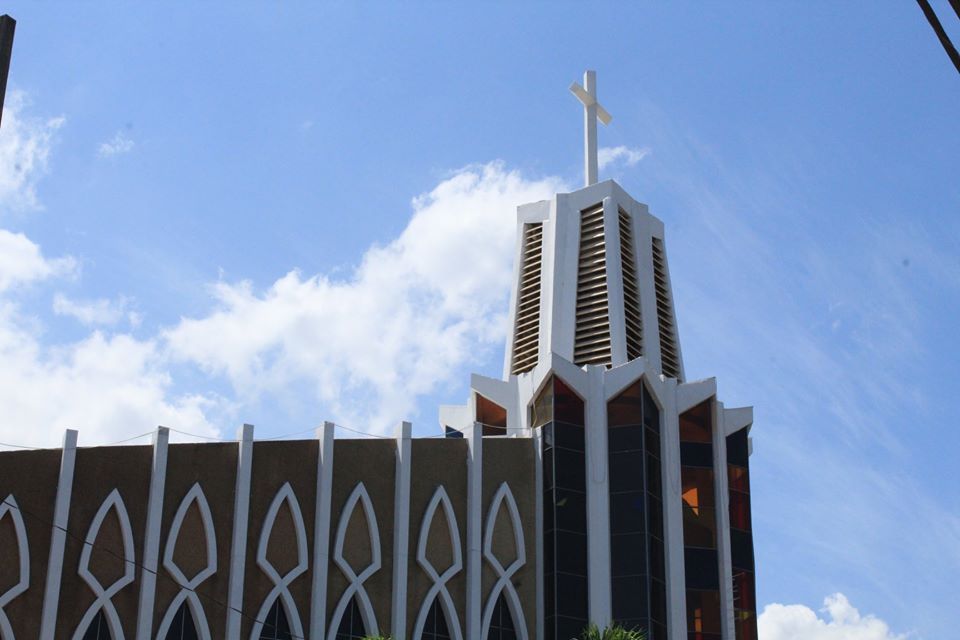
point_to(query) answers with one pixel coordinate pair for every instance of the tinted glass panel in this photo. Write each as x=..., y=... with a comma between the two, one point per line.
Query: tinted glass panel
x=739, y=478
x=574, y=556
x=741, y=550
x=572, y=595
x=626, y=512
x=743, y=591
x=626, y=471
x=626, y=408
x=568, y=436
x=571, y=511
x=703, y=611
x=699, y=527
x=541, y=412
x=651, y=414
x=569, y=469
x=98, y=629
x=435, y=627
x=695, y=423
x=626, y=438
x=739, y=511
x=182, y=627
x=492, y=416
x=738, y=448
x=630, y=553
x=567, y=407
x=658, y=601
x=501, y=623
x=351, y=625
x=701, y=569
x=696, y=454
x=629, y=597
x=697, y=488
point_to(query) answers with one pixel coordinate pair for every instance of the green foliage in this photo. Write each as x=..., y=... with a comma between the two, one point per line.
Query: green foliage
x=614, y=632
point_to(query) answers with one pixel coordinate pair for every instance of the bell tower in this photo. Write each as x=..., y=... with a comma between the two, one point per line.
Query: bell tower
x=638, y=521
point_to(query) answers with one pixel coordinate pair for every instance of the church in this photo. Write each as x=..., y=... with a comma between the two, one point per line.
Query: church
x=592, y=483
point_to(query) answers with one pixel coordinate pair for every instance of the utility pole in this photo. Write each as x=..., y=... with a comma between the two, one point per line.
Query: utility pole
x=7, y=26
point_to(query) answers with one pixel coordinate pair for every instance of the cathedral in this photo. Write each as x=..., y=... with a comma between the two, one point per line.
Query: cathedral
x=592, y=483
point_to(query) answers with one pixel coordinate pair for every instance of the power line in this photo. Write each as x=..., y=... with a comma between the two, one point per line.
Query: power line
x=938, y=29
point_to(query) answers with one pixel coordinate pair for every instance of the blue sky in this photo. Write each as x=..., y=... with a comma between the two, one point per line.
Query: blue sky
x=280, y=214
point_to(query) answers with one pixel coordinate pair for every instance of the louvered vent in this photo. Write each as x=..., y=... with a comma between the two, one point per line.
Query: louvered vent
x=631, y=293
x=592, y=341
x=526, y=333
x=669, y=358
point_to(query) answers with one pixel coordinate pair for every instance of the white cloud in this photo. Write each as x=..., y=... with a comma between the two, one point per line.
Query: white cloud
x=109, y=387
x=100, y=312
x=627, y=156
x=24, y=150
x=412, y=313
x=843, y=622
x=119, y=144
x=22, y=262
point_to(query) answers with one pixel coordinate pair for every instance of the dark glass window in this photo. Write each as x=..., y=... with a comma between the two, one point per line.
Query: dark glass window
x=182, y=627
x=501, y=623
x=492, y=416
x=703, y=612
x=696, y=454
x=741, y=549
x=541, y=412
x=741, y=538
x=739, y=510
x=701, y=568
x=277, y=627
x=98, y=629
x=696, y=424
x=436, y=627
x=636, y=510
x=698, y=491
x=351, y=625
x=568, y=406
x=560, y=413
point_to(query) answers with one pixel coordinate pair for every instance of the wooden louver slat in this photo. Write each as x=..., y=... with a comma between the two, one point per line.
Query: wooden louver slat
x=631, y=293
x=526, y=333
x=592, y=336
x=669, y=355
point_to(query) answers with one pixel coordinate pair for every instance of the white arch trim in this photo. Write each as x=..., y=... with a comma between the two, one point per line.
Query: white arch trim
x=504, y=584
x=281, y=588
x=355, y=581
x=104, y=600
x=10, y=508
x=194, y=496
x=439, y=586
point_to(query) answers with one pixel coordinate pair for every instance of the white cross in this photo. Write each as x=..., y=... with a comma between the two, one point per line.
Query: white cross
x=591, y=112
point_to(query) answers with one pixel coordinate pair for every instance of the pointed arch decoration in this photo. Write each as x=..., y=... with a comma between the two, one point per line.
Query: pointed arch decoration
x=358, y=496
x=10, y=509
x=438, y=590
x=504, y=584
x=188, y=586
x=281, y=588
x=104, y=594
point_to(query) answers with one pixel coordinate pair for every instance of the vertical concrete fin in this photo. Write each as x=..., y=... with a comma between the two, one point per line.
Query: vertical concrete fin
x=238, y=548
x=58, y=537
x=321, y=531
x=401, y=532
x=151, y=542
x=474, y=533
